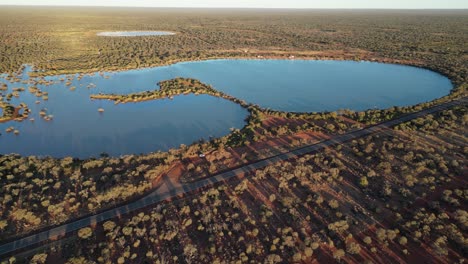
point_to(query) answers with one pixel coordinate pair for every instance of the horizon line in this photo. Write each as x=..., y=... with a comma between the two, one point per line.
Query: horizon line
x=233, y=7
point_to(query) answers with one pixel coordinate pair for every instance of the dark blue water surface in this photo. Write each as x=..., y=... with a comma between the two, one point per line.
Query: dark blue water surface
x=78, y=129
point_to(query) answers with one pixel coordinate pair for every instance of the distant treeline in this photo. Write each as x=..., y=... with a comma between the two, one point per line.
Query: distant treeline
x=63, y=40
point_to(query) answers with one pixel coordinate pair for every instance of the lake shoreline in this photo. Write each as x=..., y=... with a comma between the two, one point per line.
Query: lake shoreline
x=265, y=55
x=135, y=33
x=291, y=56
x=132, y=92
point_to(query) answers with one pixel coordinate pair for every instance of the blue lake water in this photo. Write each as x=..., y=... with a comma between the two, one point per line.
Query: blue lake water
x=79, y=130
x=134, y=33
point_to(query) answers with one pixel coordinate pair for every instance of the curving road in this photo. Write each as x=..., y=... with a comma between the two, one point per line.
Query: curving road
x=156, y=197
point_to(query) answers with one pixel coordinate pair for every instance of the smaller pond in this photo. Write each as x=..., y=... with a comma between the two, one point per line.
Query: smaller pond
x=135, y=33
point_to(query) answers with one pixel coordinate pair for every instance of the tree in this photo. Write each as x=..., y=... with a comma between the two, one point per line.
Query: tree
x=339, y=226
x=308, y=252
x=363, y=182
x=333, y=204
x=39, y=259
x=371, y=174
x=460, y=215
x=391, y=234
x=272, y=197
x=353, y=248
x=315, y=245
x=85, y=233
x=381, y=234
x=272, y=259
x=440, y=246
x=3, y=224
x=190, y=251
x=403, y=240
x=339, y=254
x=368, y=240
x=297, y=257
x=109, y=226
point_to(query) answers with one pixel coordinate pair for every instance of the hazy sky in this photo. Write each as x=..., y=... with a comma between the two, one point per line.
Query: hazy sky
x=255, y=3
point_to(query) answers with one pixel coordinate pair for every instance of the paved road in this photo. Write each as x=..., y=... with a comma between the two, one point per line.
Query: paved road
x=155, y=196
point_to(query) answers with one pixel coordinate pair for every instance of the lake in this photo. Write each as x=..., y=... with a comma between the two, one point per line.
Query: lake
x=135, y=33
x=78, y=129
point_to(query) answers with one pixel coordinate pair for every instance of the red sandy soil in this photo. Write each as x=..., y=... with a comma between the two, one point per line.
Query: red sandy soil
x=258, y=150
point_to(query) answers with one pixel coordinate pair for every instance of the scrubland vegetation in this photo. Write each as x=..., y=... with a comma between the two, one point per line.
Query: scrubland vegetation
x=62, y=40
x=7, y=111
x=397, y=196
x=166, y=89
x=39, y=192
